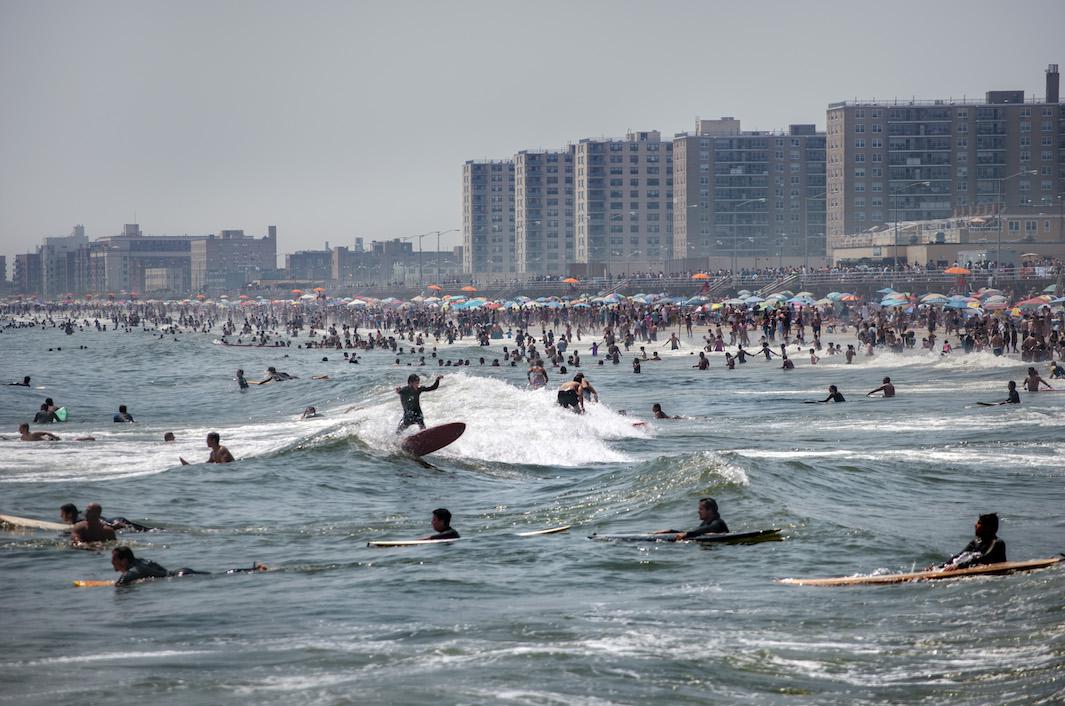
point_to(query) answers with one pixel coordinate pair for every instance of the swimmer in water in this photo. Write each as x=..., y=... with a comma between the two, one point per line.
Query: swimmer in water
x=123, y=415
x=241, y=382
x=92, y=528
x=309, y=413
x=25, y=382
x=887, y=388
x=537, y=376
x=570, y=397
x=219, y=453
x=987, y=548
x=656, y=410
x=410, y=397
x=1032, y=382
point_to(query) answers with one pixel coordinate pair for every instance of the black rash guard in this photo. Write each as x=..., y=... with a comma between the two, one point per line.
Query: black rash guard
x=979, y=552
x=412, y=406
x=715, y=526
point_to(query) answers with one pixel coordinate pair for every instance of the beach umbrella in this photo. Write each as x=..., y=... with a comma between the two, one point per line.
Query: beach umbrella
x=802, y=300
x=318, y=289
x=296, y=291
x=308, y=297
x=571, y=280
x=834, y=296
x=700, y=275
x=956, y=271
x=469, y=288
x=754, y=299
x=848, y=298
x=885, y=290
x=824, y=302
x=735, y=302
x=995, y=306
x=1030, y=254
x=805, y=294
x=1059, y=300
x=1052, y=289
x=743, y=293
x=434, y=287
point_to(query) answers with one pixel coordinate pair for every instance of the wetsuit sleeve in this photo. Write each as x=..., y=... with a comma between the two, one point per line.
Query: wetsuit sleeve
x=430, y=388
x=717, y=526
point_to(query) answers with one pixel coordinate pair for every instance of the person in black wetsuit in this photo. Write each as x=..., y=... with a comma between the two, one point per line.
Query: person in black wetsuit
x=123, y=415
x=134, y=569
x=987, y=548
x=711, y=522
x=410, y=397
x=442, y=525
x=834, y=395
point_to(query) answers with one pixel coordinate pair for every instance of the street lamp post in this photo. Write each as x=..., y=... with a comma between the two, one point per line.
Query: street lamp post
x=780, y=250
x=735, y=236
x=806, y=236
x=438, y=234
x=1000, y=199
x=895, y=206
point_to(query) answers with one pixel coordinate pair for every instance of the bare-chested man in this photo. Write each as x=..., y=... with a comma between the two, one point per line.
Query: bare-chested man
x=1031, y=383
x=219, y=453
x=92, y=528
x=26, y=435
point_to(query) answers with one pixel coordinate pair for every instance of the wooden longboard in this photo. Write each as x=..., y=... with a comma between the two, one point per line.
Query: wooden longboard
x=1006, y=567
x=433, y=439
x=29, y=523
x=550, y=530
x=726, y=538
x=92, y=583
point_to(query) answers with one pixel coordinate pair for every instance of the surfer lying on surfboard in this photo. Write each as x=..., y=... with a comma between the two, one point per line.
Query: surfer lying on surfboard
x=70, y=515
x=711, y=522
x=133, y=569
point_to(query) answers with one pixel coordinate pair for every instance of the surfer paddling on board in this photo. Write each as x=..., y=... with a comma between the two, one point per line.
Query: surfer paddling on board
x=133, y=569
x=987, y=548
x=410, y=397
x=711, y=522
x=25, y=382
x=442, y=525
x=834, y=395
x=26, y=435
x=656, y=410
x=219, y=453
x=92, y=528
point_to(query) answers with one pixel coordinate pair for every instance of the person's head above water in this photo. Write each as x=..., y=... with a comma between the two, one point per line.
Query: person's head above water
x=69, y=512
x=708, y=509
x=886, y=380
x=169, y=436
x=441, y=519
x=987, y=525
x=413, y=379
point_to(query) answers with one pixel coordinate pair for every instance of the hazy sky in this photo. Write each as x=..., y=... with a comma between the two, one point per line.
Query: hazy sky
x=341, y=119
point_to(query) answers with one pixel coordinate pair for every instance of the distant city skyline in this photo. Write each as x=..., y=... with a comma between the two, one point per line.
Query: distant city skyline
x=337, y=120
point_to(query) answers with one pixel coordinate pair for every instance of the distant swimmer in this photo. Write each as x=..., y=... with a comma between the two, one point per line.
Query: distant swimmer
x=1032, y=382
x=123, y=415
x=92, y=528
x=442, y=525
x=309, y=413
x=537, y=376
x=786, y=363
x=986, y=548
x=26, y=435
x=834, y=395
x=241, y=381
x=1057, y=371
x=169, y=437
x=25, y=382
x=656, y=410
x=636, y=369
x=44, y=416
x=711, y=522
x=410, y=397
x=887, y=388
x=219, y=453
x=133, y=569
x=703, y=363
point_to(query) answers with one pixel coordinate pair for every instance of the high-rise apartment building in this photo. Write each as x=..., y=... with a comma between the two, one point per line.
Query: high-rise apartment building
x=748, y=194
x=921, y=160
x=120, y=262
x=232, y=259
x=544, y=241
x=27, y=278
x=65, y=263
x=623, y=201
x=488, y=218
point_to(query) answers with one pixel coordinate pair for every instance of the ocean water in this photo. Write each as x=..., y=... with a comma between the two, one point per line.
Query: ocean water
x=870, y=486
